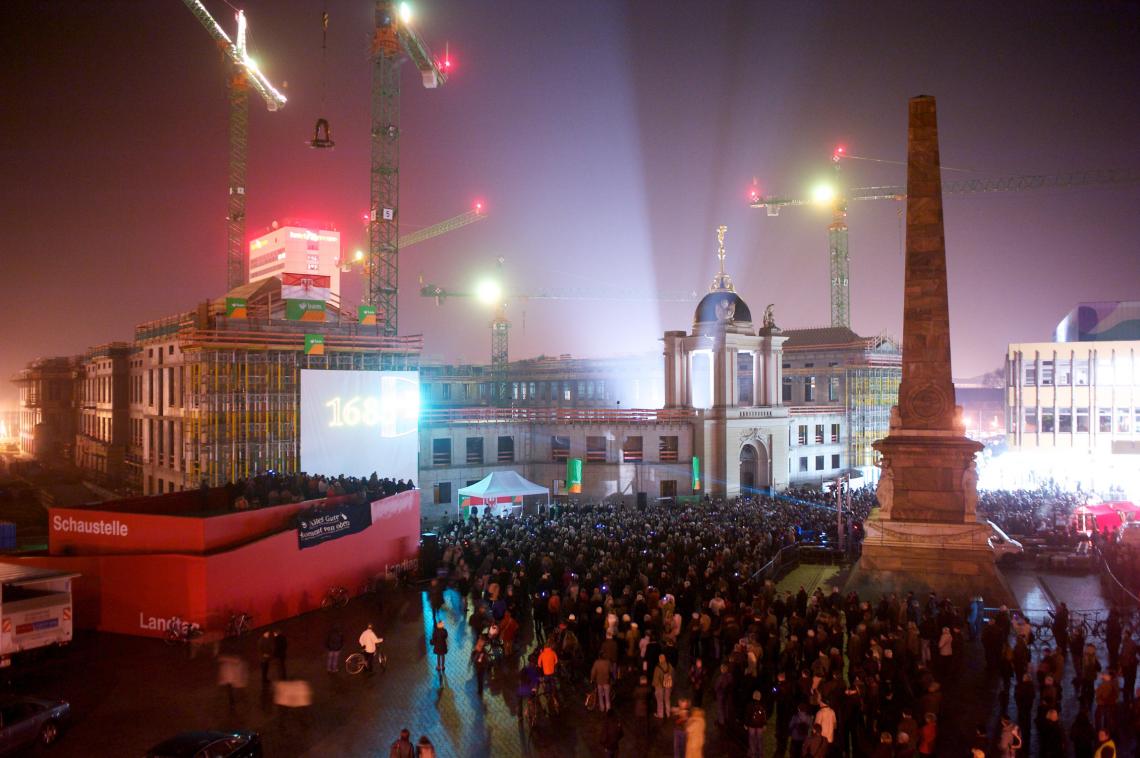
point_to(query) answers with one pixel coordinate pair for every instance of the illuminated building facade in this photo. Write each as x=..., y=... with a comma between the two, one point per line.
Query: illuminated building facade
x=103, y=411
x=300, y=249
x=46, y=390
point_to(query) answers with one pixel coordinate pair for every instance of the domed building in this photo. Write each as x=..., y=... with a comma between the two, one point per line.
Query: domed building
x=728, y=371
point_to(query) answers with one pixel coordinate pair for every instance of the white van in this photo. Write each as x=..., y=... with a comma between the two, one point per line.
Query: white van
x=1002, y=544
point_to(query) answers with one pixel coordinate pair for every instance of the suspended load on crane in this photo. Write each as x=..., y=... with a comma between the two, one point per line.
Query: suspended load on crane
x=322, y=132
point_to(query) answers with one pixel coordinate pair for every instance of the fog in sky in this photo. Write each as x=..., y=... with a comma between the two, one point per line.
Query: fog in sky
x=608, y=141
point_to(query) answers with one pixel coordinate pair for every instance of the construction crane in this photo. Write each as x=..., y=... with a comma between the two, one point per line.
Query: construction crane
x=244, y=75
x=837, y=233
x=421, y=235
x=394, y=38
x=490, y=293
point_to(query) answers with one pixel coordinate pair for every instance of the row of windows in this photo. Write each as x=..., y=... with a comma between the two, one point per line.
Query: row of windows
x=819, y=461
x=583, y=389
x=632, y=451
x=1075, y=372
x=818, y=438
x=1067, y=420
x=810, y=393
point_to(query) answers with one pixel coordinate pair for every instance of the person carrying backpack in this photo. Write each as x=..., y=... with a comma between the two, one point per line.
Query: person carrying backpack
x=403, y=747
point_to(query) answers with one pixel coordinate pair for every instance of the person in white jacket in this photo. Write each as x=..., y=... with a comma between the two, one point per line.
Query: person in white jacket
x=368, y=640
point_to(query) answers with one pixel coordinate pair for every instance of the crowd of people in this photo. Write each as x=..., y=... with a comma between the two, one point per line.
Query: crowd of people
x=1046, y=511
x=664, y=604
x=274, y=488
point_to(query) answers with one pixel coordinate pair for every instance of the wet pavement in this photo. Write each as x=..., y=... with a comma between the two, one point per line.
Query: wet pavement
x=129, y=694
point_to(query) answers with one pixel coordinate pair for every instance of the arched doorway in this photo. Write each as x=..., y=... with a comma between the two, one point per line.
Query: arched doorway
x=748, y=458
x=754, y=468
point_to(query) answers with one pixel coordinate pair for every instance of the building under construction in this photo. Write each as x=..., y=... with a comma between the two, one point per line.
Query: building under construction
x=215, y=392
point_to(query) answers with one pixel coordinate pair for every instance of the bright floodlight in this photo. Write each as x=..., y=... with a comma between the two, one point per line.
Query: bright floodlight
x=406, y=13
x=823, y=194
x=489, y=292
x=359, y=255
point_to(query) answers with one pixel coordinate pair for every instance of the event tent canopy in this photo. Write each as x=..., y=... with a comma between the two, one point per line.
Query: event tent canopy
x=502, y=486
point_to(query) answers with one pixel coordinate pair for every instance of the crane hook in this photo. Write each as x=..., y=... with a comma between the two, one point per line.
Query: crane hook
x=322, y=135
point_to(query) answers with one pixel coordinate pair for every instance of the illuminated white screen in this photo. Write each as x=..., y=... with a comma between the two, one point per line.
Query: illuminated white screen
x=357, y=422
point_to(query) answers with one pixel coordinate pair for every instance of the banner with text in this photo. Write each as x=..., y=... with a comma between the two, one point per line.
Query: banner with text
x=305, y=310
x=314, y=344
x=330, y=523
x=367, y=315
x=236, y=307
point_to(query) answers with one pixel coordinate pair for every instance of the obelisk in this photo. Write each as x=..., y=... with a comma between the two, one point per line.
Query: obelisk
x=925, y=535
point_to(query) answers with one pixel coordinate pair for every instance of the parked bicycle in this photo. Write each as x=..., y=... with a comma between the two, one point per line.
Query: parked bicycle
x=239, y=623
x=179, y=631
x=545, y=697
x=357, y=662
x=336, y=596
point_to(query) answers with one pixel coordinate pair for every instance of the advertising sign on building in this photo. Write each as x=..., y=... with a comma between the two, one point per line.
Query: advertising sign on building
x=574, y=476
x=305, y=310
x=367, y=315
x=314, y=344
x=236, y=307
x=696, y=474
x=332, y=523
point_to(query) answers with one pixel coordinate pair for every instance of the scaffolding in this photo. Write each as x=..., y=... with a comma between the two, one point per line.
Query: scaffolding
x=871, y=392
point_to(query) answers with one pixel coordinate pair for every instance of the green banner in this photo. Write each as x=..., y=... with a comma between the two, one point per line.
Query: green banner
x=696, y=474
x=236, y=307
x=366, y=315
x=314, y=344
x=305, y=310
x=574, y=476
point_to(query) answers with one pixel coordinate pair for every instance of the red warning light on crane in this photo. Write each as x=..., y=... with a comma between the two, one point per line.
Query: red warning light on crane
x=840, y=152
x=478, y=206
x=753, y=193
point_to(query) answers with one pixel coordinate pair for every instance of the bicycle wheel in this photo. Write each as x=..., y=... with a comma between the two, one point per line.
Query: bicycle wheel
x=530, y=713
x=327, y=601
x=342, y=599
x=354, y=663
x=382, y=661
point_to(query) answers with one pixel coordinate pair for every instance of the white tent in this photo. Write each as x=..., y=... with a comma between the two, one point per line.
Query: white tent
x=503, y=493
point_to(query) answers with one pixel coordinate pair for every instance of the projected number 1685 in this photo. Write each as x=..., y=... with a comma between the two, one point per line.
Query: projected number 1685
x=357, y=411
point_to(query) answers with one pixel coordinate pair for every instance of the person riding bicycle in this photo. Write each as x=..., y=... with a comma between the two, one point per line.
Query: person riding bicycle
x=529, y=678
x=548, y=664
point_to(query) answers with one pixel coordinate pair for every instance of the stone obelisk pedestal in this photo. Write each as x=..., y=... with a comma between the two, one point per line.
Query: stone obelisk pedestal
x=925, y=536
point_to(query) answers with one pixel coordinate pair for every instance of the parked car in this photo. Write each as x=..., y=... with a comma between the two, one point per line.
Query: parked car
x=209, y=745
x=1002, y=544
x=26, y=721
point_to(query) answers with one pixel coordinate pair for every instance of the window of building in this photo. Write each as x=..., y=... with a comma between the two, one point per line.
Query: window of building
x=1082, y=420
x=441, y=452
x=475, y=450
x=787, y=389
x=667, y=449
x=150, y=387
x=566, y=392
x=1104, y=374
x=1064, y=375
x=590, y=390
x=581, y=389
x=835, y=460
x=819, y=463
x=832, y=389
x=442, y=493
x=834, y=433
x=819, y=434
x=809, y=365
x=1065, y=420
x=803, y=463
x=559, y=449
x=506, y=449
x=601, y=392
x=1123, y=421
x=801, y=435
x=744, y=364
x=1030, y=425
x=1047, y=420
x=522, y=391
x=667, y=489
x=631, y=450
x=1104, y=420
x=809, y=389
x=1046, y=373
x=1029, y=373
x=445, y=391
x=595, y=449
x=1081, y=372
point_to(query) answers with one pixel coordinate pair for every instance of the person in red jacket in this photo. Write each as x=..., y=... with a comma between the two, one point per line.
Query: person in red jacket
x=928, y=735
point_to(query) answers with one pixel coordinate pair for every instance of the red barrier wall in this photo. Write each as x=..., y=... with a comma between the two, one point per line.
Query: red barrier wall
x=270, y=578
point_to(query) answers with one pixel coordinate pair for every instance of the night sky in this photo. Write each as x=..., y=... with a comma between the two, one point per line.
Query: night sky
x=608, y=140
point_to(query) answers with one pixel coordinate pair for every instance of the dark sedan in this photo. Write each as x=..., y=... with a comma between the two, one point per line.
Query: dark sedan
x=209, y=745
x=25, y=721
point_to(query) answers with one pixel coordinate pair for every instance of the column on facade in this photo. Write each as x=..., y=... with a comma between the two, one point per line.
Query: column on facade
x=774, y=394
x=759, y=384
x=686, y=388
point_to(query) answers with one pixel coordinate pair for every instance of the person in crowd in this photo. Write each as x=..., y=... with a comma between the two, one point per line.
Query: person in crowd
x=480, y=661
x=403, y=747
x=663, y=686
x=601, y=676
x=280, y=647
x=334, y=643
x=369, y=641
x=439, y=646
x=265, y=654
x=756, y=722
x=424, y=748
